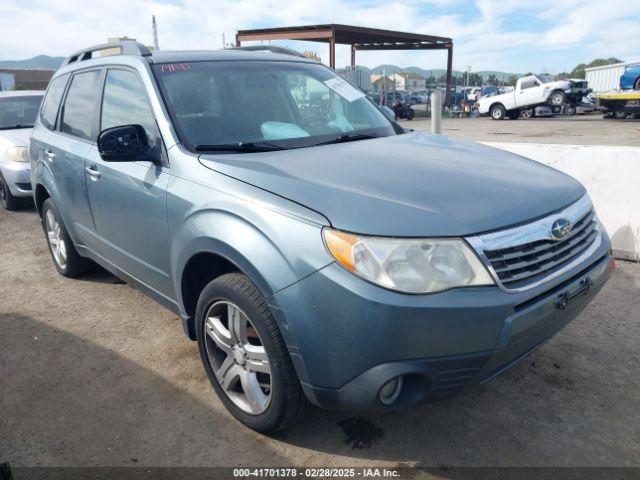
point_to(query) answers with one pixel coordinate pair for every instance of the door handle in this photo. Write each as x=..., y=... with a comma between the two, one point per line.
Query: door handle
x=49, y=155
x=93, y=172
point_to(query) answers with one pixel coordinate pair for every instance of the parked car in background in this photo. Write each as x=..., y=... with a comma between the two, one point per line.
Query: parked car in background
x=415, y=98
x=390, y=98
x=317, y=255
x=531, y=91
x=18, y=111
x=478, y=92
x=630, y=79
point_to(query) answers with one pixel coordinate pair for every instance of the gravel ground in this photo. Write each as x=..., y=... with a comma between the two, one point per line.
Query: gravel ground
x=94, y=373
x=576, y=130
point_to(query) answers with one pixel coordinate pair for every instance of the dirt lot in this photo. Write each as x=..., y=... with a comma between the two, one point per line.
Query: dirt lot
x=576, y=130
x=94, y=373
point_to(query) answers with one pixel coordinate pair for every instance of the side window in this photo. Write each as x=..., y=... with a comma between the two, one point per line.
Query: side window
x=529, y=83
x=49, y=110
x=125, y=103
x=79, y=108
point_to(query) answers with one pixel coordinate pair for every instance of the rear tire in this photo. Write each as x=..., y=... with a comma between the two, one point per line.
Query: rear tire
x=410, y=114
x=65, y=257
x=498, y=112
x=636, y=86
x=226, y=355
x=7, y=199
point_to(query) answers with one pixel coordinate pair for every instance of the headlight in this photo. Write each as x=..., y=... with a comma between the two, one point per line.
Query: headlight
x=408, y=265
x=18, y=154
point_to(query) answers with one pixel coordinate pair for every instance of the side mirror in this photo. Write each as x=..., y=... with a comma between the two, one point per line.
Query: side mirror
x=126, y=143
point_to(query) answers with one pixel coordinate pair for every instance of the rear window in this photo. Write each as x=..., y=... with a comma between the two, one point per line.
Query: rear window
x=51, y=102
x=80, y=105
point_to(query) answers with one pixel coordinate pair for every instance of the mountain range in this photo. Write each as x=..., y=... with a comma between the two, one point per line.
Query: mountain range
x=41, y=61
x=53, y=63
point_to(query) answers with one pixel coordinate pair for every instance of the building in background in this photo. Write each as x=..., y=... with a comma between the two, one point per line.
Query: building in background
x=312, y=56
x=381, y=82
x=409, y=81
x=607, y=77
x=24, y=78
x=359, y=77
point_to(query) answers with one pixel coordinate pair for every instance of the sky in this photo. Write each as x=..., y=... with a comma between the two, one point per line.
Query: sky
x=505, y=35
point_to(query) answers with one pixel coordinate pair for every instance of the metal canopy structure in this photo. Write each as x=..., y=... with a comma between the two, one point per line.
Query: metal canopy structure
x=360, y=38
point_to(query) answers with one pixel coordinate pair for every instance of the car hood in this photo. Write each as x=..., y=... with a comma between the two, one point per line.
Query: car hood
x=18, y=136
x=407, y=185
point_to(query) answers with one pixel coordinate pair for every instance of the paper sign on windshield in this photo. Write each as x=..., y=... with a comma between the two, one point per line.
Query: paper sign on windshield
x=344, y=89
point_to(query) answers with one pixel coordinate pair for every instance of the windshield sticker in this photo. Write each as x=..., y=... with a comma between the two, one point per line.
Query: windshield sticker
x=175, y=67
x=344, y=89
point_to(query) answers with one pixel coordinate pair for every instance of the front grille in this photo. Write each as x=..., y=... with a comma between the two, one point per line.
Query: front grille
x=520, y=265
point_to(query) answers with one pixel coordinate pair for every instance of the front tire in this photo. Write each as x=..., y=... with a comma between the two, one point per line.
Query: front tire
x=558, y=98
x=636, y=86
x=65, y=257
x=245, y=357
x=498, y=112
x=7, y=199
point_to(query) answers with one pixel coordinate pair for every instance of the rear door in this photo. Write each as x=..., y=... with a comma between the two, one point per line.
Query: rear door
x=68, y=146
x=128, y=199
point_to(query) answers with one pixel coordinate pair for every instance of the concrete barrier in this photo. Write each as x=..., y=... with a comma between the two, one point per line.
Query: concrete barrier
x=610, y=174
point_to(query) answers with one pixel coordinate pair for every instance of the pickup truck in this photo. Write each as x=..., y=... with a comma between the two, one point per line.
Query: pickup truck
x=531, y=91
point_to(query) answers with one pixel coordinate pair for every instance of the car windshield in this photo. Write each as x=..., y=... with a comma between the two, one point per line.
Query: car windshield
x=544, y=78
x=19, y=112
x=265, y=105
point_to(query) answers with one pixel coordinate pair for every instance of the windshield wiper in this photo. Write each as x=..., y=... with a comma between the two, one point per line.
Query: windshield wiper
x=242, y=147
x=349, y=137
x=12, y=127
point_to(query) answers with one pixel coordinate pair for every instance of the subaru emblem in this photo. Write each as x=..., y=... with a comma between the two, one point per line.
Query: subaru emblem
x=560, y=228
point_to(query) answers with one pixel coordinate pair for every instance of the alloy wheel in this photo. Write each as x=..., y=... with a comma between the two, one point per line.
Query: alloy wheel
x=56, y=242
x=557, y=99
x=237, y=357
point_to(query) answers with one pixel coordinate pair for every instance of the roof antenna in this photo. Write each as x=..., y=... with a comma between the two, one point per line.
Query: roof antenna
x=154, y=26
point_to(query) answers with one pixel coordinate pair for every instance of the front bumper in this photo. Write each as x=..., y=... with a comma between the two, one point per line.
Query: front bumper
x=17, y=176
x=347, y=338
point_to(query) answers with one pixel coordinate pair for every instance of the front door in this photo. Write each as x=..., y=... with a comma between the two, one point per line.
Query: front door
x=128, y=199
x=530, y=92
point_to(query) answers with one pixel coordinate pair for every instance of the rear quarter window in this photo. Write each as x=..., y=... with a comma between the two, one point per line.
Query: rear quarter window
x=49, y=111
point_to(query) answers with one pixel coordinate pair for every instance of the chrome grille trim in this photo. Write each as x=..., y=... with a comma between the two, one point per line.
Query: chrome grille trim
x=527, y=256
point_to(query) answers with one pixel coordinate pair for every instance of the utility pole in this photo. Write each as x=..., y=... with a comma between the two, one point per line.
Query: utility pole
x=154, y=27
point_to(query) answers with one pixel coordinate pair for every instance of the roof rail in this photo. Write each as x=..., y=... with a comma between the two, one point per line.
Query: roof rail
x=127, y=47
x=269, y=48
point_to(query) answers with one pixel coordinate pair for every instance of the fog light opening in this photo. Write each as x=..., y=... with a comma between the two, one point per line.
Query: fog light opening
x=390, y=391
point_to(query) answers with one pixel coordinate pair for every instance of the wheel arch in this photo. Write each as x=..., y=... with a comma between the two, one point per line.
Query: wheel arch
x=214, y=243
x=40, y=196
x=554, y=91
